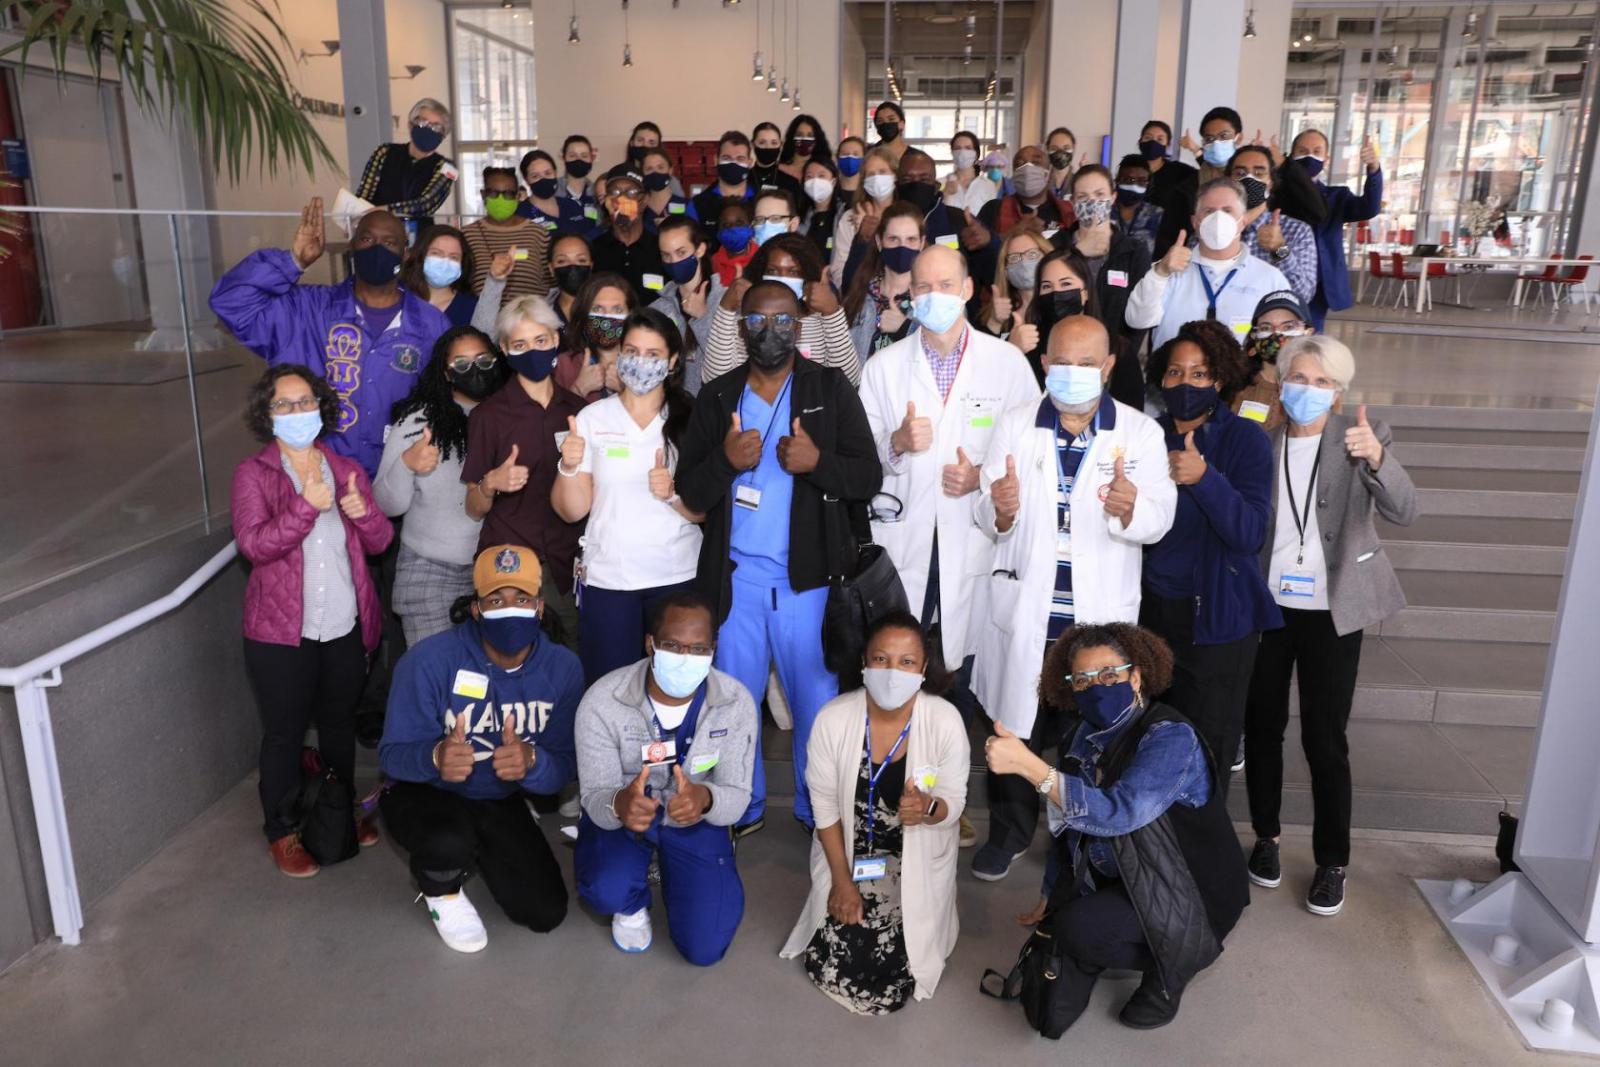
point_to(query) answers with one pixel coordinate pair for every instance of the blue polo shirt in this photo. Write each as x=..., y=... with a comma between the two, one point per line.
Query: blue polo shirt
x=760, y=541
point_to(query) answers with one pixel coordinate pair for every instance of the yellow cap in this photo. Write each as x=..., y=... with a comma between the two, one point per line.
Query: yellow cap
x=499, y=566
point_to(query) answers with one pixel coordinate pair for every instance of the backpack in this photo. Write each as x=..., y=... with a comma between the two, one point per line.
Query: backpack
x=325, y=812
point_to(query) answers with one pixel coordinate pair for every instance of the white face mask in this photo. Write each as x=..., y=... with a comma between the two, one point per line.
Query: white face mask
x=879, y=186
x=964, y=158
x=889, y=688
x=1218, y=230
x=819, y=189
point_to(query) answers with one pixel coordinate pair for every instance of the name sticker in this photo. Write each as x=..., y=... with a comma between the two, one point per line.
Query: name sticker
x=1118, y=278
x=982, y=421
x=471, y=684
x=949, y=240
x=1254, y=410
x=701, y=763
x=618, y=452
x=653, y=282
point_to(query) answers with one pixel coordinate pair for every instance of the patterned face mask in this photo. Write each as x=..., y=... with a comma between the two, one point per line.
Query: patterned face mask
x=1092, y=212
x=641, y=374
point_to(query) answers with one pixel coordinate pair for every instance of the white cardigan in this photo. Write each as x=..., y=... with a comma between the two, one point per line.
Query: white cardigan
x=929, y=853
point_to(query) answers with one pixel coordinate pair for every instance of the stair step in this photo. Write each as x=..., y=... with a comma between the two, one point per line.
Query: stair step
x=1492, y=457
x=1486, y=666
x=1474, y=558
x=1485, y=590
x=1486, y=530
x=1464, y=624
x=1496, y=503
x=1513, y=481
x=1537, y=420
x=1410, y=436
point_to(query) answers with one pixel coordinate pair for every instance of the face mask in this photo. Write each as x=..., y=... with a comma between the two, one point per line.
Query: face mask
x=510, y=630
x=1265, y=349
x=536, y=364
x=879, y=186
x=1187, y=401
x=1023, y=275
x=678, y=673
x=543, y=188
x=766, y=231
x=1103, y=705
x=500, y=208
x=819, y=189
x=731, y=173
x=888, y=131
x=766, y=157
x=1152, y=150
x=1129, y=195
x=1072, y=389
x=1061, y=158
x=804, y=145
x=657, y=181
x=797, y=286
x=1217, y=153
x=889, y=688
x=579, y=168
x=640, y=375
x=425, y=138
x=964, y=158
x=571, y=277
x=299, y=429
x=1092, y=212
x=996, y=174
x=734, y=238
x=769, y=347
x=899, y=258
x=1030, y=179
x=1057, y=305
x=623, y=207
x=375, y=264
x=1218, y=230
x=1312, y=164
x=1306, y=403
x=920, y=195
x=938, y=311
x=440, y=271
x=849, y=166
x=636, y=153
x=477, y=383
x=603, y=331
x=682, y=271
x=1255, y=191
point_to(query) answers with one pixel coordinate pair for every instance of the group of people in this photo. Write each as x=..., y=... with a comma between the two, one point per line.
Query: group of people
x=610, y=452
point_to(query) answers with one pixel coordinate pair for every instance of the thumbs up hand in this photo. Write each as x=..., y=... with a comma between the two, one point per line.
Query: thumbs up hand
x=353, y=504
x=914, y=805
x=741, y=446
x=661, y=477
x=513, y=757
x=1188, y=466
x=1361, y=443
x=1006, y=753
x=914, y=435
x=453, y=755
x=1121, y=495
x=1270, y=235
x=960, y=477
x=1006, y=493
x=423, y=455
x=572, y=446
x=1025, y=335
x=691, y=801
x=798, y=453
x=636, y=810
x=318, y=493
x=509, y=476
x=1176, y=261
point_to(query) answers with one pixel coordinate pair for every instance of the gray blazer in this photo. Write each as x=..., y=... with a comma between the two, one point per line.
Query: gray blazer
x=667, y=304
x=1362, y=587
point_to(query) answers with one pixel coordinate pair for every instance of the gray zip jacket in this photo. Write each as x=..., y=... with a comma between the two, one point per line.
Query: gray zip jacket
x=615, y=722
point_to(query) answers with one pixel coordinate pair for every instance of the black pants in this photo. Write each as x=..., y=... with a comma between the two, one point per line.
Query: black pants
x=1210, y=683
x=1098, y=931
x=297, y=685
x=449, y=836
x=391, y=644
x=1013, y=801
x=1326, y=664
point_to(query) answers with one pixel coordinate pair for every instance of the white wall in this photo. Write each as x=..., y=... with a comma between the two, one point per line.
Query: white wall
x=852, y=79
x=1263, y=66
x=1082, y=66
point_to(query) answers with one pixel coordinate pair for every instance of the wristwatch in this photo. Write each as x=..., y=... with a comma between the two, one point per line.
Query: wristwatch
x=1280, y=253
x=1047, y=788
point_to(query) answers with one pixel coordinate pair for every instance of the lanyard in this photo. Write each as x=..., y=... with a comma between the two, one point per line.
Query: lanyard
x=1212, y=295
x=1064, y=517
x=685, y=727
x=1288, y=484
x=872, y=779
x=777, y=404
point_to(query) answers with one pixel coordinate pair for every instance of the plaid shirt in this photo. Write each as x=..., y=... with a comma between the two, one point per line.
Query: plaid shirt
x=944, y=367
x=1301, y=266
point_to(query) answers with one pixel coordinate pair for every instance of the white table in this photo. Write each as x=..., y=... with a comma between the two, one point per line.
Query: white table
x=1425, y=299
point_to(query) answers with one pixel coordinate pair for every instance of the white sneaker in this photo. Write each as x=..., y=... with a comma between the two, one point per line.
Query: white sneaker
x=571, y=809
x=457, y=922
x=631, y=933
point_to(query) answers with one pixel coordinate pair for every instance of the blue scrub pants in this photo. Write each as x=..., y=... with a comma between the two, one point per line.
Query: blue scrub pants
x=699, y=882
x=611, y=626
x=777, y=625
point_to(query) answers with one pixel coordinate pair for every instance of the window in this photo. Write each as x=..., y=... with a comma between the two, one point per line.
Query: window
x=496, y=112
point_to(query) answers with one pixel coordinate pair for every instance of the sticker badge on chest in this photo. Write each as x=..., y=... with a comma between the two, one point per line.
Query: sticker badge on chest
x=869, y=868
x=471, y=684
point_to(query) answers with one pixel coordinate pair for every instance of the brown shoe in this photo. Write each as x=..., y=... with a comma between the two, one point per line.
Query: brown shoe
x=291, y=858
x=366, y=832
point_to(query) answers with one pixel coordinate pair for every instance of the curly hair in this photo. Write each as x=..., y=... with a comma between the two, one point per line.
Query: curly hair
x=1138, y=646
x=258, y=419
x=799, y=247
x=1226, y=360
x=435, y=398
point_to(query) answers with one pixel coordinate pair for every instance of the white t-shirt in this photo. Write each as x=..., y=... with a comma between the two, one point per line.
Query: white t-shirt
x=670, y=716
x=633, y=540
x=979, y=191
x=1286, y=552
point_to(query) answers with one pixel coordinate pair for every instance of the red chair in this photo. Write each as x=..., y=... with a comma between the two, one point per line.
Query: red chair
x=1568, y=281
x=1536, y=283
x=1406, y=277
x=1376, y=272
x=1408, y=237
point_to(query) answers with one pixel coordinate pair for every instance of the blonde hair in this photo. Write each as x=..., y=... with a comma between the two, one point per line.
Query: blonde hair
x=527, y=308
x=1002, y=284
x=1331, y=354
x=882, y=156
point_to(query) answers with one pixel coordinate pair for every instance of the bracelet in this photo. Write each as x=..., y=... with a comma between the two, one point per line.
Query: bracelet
x=435, y=754
x=561, y=469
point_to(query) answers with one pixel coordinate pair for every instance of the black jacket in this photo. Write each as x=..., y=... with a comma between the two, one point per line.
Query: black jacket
x=1129, y=258
x=849, y=471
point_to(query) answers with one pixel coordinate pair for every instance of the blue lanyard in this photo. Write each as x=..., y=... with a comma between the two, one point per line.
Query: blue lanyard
x=872, y=779
x=1211, y=297
x=690, y=720
x=1064, y=516
x=777, y=405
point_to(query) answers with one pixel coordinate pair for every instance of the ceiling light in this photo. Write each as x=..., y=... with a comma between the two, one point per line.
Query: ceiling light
x=772, y=81
x=783, y=94
x=1250, y=24
x=757, y=75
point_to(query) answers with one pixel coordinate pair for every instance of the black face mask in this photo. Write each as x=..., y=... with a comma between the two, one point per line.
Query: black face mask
x=921, y=195
x=375, y=264
x=543, y=188
x=1187, y=401
x=579, y=168
x=888, y=131
x=1061, y=158
x=1255, y=192
x=1061, y=304
x=478, y=382
x=656, y=181
x=766, y=157
x=636, y=153
x=769, y=347
x=571, y=277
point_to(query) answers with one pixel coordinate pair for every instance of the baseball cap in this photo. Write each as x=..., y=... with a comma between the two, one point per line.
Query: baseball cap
x=499, y=566
x=1287, y=300
x=625, y=170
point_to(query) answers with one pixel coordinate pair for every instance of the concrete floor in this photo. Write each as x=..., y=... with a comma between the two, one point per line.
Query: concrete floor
x=207, y=956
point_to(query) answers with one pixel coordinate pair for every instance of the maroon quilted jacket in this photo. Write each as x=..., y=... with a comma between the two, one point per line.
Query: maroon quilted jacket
x=270, y=520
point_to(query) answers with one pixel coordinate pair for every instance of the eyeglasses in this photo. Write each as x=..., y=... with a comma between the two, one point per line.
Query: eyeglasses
x=1031, y=256
x=1082, y=680
x=517, y=348
x=283, y=407
x=755, y=321
x=627, y=194
x=684, y=650
x=1225, y=135
x=436, y=127
x=1285, y=329
x=778, y=219
x=462, y=364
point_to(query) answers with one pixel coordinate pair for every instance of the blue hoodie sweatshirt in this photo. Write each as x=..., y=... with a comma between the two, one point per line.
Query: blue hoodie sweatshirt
x=441, y=678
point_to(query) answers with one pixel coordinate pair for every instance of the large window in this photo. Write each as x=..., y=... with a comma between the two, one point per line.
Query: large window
x=496, y=113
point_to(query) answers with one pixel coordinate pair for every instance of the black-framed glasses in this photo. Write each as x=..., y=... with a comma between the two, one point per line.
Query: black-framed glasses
x=685, y=650
x=284, y=406
x=1033, y=255
x=1225, y=135
x=1082, y=680
x=462, y=364
x=760, y=219
x=755, y=321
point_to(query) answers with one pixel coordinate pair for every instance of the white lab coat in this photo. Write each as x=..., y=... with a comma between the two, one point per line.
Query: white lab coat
x=993, y=378
x=1009, y=637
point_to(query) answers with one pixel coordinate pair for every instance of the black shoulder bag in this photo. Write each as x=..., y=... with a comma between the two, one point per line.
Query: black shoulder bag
x=325, y=812
x=861, y=590
x=1034, y=981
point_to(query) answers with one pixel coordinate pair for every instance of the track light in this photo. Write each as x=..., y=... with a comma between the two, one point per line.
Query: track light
x=756, y=75
x=627, y=55
x=772, y=81
x=1250, y=24
x=783, y=94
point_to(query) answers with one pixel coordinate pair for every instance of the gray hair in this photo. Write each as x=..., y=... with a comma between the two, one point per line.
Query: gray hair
x=1331, y=354
x=428, y=103
x=527, y=308
x=1222, y=183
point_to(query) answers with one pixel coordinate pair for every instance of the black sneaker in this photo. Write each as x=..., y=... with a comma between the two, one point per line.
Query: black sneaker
x=1327, y=891
x=1238, y=759
x=1263, y=866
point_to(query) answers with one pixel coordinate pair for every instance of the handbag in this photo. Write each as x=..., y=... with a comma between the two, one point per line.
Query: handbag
x=1035, y=982
x=861, y=591
x=325, y=812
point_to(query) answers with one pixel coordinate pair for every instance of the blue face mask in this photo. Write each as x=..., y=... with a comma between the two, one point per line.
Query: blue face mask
x=899, y=258
x=1312, y=165
x=1071, y=386
x=735, y=239
x=766, y=231
x=536, y=364
x=510, y=630
x=1306, y=403
x=849, y=166
x=678, y=673
x=996, y=174
x=299, y=429
x=1217, y=153
x=440, y=271
x=797, y=286
x=683, y=270
x=1103, y=705
x=938, y=311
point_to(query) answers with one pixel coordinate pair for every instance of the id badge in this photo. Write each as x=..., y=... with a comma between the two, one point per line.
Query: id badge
x=747, y=496
x=655, y=753
x=869, y=868
x=1297, y=584
x=1063, y=544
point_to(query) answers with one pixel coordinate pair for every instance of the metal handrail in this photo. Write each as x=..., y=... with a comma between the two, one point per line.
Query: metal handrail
x=30, y=680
